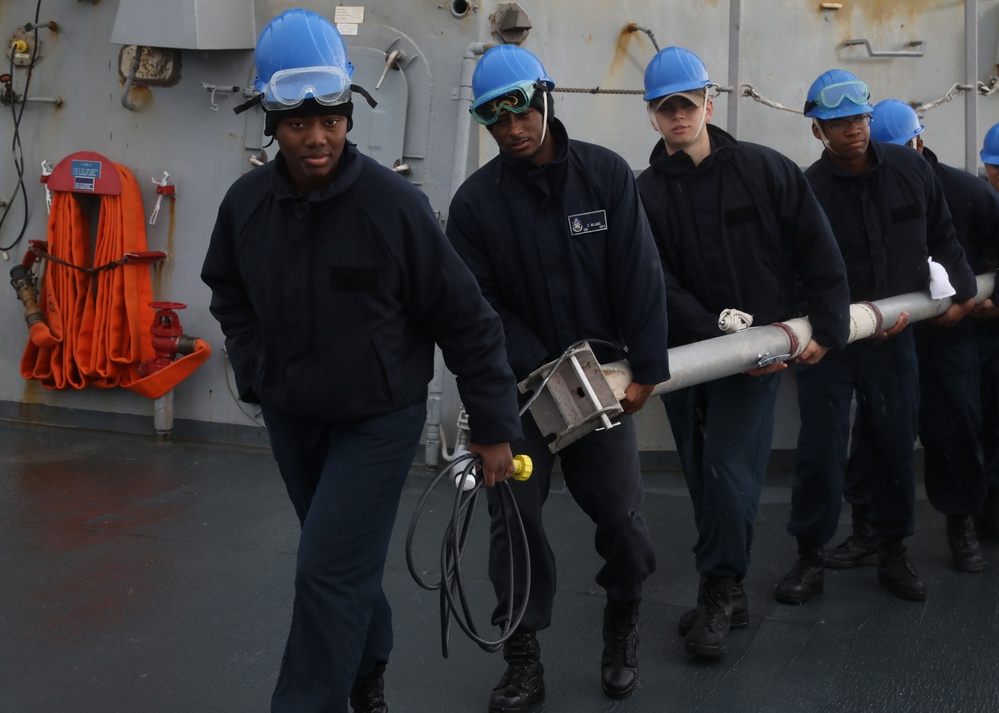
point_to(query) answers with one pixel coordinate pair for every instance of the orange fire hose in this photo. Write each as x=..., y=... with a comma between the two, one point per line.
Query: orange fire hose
x=97, y=321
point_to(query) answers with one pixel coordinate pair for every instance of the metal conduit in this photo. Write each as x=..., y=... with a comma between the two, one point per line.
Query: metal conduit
x=730, y=354
x=971, y=96
x=459, y=169
x=571, y=405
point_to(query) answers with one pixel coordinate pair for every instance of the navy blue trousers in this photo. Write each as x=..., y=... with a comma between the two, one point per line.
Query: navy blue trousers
x=987, y=339
x=603, y=475
x=345, y=482
x=884, y=376
x=949, y=423
x=723, y=432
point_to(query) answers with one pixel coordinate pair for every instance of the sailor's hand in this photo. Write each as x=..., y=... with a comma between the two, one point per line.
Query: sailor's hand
x=954, y=314
x=497, y=462
x=635, y=396
x=812, y=353
x=985, y=310
x=902, y=323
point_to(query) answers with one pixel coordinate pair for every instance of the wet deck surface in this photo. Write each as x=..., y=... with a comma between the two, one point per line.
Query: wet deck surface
x=155, y=577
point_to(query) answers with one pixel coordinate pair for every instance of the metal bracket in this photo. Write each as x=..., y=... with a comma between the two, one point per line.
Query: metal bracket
x=216, y=89
x=918, y=52
x=575, y=400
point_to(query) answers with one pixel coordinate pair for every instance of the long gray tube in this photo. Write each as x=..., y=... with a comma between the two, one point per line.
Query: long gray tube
x=730, y=354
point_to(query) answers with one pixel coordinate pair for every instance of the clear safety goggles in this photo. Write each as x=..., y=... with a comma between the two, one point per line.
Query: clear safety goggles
x=290, y=87
x=833, y=95
x=516, y=99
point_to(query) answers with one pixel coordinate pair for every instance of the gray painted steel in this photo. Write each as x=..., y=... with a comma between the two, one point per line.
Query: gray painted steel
x=189, y=131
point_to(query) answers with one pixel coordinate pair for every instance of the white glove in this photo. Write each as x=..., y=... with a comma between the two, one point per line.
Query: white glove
x=940, y=286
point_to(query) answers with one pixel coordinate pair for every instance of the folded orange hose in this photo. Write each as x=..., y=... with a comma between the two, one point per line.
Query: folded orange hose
x=98, y=323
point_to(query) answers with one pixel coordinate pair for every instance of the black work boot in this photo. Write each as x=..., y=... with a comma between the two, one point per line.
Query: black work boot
x=966, y=555
x=740, y=611
x=896, y=572
x=709, y=634
x=619, y=663
x=523, y=683
x=859, y=548
x=368, y=693
x=806, y=578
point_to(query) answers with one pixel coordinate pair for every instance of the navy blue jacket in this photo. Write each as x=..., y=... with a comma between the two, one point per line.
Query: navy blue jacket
x=331, y=301
x=741, y=231
x=887, y=221
x=564, y=253
x=974, y=207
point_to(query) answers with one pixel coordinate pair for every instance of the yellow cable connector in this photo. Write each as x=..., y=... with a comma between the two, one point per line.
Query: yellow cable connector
x=522, y=467
x=19, y=46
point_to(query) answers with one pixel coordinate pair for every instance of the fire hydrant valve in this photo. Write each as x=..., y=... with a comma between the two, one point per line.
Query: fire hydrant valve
x=167, y=337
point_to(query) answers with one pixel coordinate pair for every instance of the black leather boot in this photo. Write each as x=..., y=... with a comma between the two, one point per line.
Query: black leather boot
x=709, y=634
x=368, y=693
x=740, y=611
x=966, y=554
x=896, y=572
x=619, y=663
x=523, y=683
x=806, y=578
x=859, y=548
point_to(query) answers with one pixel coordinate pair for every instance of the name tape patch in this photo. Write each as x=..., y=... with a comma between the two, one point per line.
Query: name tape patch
x=591, y=222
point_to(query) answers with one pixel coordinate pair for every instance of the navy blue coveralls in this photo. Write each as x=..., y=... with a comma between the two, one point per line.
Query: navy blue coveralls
x=886, y=221
x=330, y=303
x=949, y=376
x=564, y=253
x=736, y=231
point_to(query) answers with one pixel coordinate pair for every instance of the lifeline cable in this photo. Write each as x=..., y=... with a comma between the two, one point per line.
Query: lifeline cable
x=16, y=147
x=450, y=584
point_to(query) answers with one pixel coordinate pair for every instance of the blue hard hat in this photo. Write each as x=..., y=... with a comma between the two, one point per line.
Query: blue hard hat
x=298, y=39
x=990, y=146
x=835, y=94
x=672, y=70
x=503, y=68
x=894, y=122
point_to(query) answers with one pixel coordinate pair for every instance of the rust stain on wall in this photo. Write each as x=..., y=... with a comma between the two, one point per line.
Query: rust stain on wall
x=893, y=11
x=624, y=40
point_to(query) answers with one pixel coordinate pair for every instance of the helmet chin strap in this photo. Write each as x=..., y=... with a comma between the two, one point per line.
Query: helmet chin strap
x=822, y=136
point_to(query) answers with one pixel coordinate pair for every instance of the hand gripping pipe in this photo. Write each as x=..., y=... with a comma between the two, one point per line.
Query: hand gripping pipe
x=570, y=409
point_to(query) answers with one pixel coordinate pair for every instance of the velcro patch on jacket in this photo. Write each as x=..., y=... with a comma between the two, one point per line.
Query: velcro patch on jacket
x=906, y=212
x=353, y=278
x=591, y=222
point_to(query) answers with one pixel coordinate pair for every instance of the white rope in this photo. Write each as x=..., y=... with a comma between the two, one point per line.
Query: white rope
x=733, y=320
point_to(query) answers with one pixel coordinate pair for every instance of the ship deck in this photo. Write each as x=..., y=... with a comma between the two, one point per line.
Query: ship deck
x=155, y=576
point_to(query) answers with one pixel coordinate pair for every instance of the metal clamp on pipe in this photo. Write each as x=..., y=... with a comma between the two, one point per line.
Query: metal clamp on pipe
x=572, y=398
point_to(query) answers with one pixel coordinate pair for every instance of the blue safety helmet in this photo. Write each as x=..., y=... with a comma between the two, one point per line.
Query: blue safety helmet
x=894, y=122
x=300, y=55
x=990, y=146
x=672, y=70
x=835, y=94
x=503, y=70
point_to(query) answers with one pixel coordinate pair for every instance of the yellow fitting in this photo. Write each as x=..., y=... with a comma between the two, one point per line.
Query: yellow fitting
x=522, y=467
x=19, y=46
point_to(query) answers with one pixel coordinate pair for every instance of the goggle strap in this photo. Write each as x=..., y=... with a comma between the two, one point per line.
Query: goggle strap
x=254, y=101
x=364, y=93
